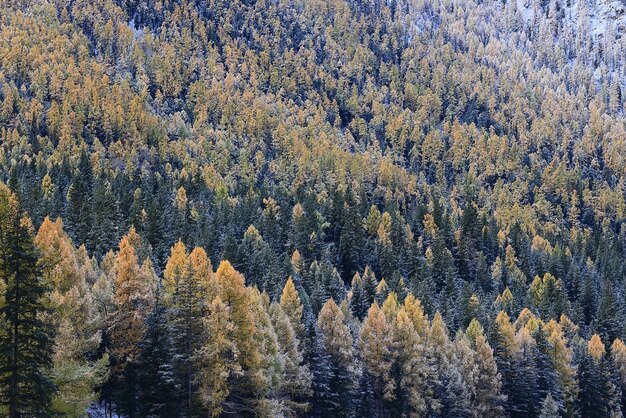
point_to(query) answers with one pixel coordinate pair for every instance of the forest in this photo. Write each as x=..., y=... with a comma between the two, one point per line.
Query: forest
x=312, y=208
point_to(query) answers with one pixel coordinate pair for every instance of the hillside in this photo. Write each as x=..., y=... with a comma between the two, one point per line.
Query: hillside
x=313, y=208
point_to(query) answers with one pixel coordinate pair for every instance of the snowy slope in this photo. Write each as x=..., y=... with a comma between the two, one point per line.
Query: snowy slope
x=596, y=16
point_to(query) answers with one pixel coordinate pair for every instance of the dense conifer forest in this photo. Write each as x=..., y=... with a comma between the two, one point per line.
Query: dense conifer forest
x=316, y=208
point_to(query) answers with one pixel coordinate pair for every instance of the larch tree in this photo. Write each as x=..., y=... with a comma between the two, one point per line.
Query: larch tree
x=74, y=320
x=413, y=367
x=237, y=298
x=449, y=389
x=186, y=288
x=338, y=343
x=133, y=299
x=292, y=306
x=618, y=357
x=487, y=401
x=377, y=355
x=218, y=359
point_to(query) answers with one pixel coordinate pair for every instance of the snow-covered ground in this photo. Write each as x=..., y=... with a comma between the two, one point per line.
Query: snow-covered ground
x=97, y=411
x=596, y=16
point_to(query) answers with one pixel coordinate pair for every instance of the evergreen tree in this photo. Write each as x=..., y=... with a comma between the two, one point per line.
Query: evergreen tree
x=185, y=300
x=158, y=389
x=78, y=210
x=449, y=389
x=26, y=339
x=487, y=399
x=599, y=393
x=506, y=352
x=608, y=319
x=350, y=238
x=547, y=379
x=323, y=400
x=618, y=357
x=104, y=233
x=296, y=379
x=549, y=408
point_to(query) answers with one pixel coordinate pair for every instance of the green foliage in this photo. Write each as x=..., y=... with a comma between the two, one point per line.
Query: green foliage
x=26, y=338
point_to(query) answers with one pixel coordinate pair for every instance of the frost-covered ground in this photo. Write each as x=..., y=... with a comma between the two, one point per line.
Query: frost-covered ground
x=595, y=16
x=98, y=411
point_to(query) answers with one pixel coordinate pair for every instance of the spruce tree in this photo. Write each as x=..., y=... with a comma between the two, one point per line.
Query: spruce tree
x=26, y=339
x=600, y=393
x=296, y=378
x=549, y=408
x=158, y=389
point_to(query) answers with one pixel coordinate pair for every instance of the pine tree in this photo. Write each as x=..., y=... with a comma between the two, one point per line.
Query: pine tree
x=26, y=341
x=547, y=379
x=78, y=210
x=268, y=382
x=562, y=359
x=104, y=231
x=386, y=250
x=608, y=319
x=599, y=393
x=524, y=398
x=505, y=347
x=299, y=234
x=323, y=400
x=369, y=285
x=357, y=296
x=449, y=389
x=256, y=261
x=351, y=237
